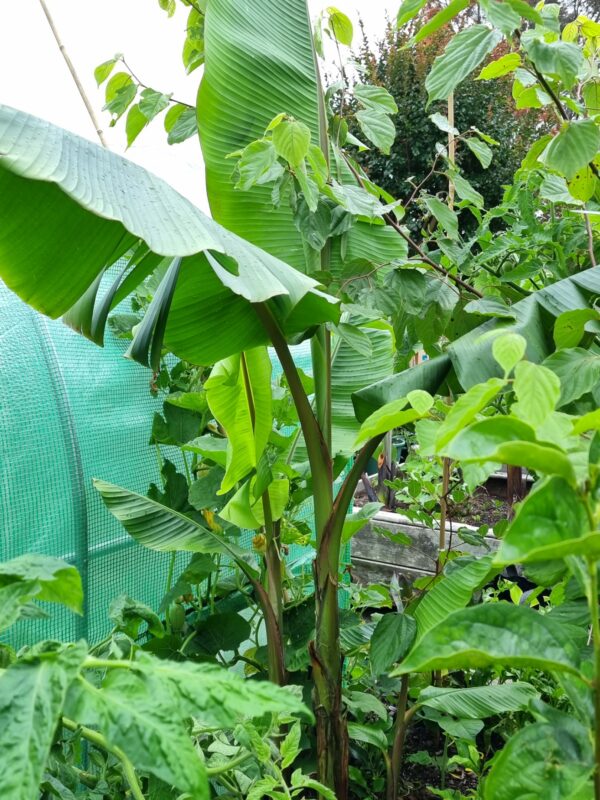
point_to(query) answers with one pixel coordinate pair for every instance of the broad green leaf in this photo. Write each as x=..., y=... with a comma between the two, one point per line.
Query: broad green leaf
x=591, y=96
x=392, y=415
x=420, y=400
x=408, y=10
x=255, y=162
x=366, y=703
x=376, y=98
x=357, y=521
x=139, y=717
x=128, y=615
x=356, y=338
x=588, y=422
x=292, y=140
x=193, y=47
x=556, y=189
x=480, y=440
x=340, y=25
x=444, y=215
x=550, y=523
x=429, y=376
x=218, y=632
x=502, y=16
x=570, y=326
x=479, y=702
x=575, y=146
x=466, y=408
x=466, y=191
x=391, y=640
x=15, y=601
x=351, y=371
x=103, y=70
x=180, y=124
x=578, y=370
x=452, y=592
x=583, y=185
x=239, y=396
x=57, y=581
x=526, y=11
x=368, y=734
x=300, y=780
x=160, y=528
x=462, y=55
x=244, y=511
x=543, y=760
x=152, y=103
x=204, y=492
x=480, y=150
x=500, y=67
x=120, y=93
x=494, y=634
x=537, y=389
x=377, y=127
x=441, y=122
x=134, y=124
x=508, y=440
x=562, y=60
x=219, y=697
x=32, y=695
x=237, y=86
x=440, y=19
x=105, y=207
x=290, y=746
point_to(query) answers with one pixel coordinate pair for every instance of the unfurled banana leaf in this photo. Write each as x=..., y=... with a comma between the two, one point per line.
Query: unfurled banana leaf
x=89, y=206
x=160, y=528
x=469, y=359
x=260, y=62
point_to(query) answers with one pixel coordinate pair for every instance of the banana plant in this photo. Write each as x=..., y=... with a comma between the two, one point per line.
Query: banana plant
x=221, y=297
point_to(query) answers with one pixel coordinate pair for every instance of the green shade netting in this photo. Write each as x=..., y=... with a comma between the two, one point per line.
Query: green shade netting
x=71, y=411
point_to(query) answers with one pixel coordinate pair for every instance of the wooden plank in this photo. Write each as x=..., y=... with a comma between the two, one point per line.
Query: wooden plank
x=370, y=548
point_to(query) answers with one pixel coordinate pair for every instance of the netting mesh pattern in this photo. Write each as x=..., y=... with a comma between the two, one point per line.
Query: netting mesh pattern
x=71, y=411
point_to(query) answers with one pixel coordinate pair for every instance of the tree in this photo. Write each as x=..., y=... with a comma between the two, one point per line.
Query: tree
x=487, y=105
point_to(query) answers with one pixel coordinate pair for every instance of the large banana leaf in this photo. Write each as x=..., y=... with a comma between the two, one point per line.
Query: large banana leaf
x=69, y=209
x=260, y=62
x=160, y=528
x=469, y=359
x=350, y=371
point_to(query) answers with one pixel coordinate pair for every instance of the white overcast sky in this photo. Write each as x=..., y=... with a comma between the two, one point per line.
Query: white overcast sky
x=35, y=78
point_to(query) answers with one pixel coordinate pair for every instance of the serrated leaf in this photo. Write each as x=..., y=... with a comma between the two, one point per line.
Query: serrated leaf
x=480, y=150
x=537, y=389
x=466, y=408
x=462, y=55
x=103, y=70
x=508, y=349
x=340, y=25
x=578, y=370
x=32, y=695
x=292, y=140
x=500, y=67
x=290, y=747
x=377, y=127
x=575, y=146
